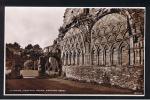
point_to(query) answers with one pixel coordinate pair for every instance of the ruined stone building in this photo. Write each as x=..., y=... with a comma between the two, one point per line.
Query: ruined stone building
x=104, y=46
x=51, y=63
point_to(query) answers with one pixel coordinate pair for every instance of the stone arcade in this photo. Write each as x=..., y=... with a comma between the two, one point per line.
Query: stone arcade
x=104, y=46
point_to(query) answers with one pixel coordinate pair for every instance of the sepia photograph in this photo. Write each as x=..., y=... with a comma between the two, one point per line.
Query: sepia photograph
x=65, y=51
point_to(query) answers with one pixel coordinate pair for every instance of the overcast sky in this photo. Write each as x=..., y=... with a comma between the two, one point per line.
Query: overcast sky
x=35, y=25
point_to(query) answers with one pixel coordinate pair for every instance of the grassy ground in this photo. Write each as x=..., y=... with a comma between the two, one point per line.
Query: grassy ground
x=28, y=73
x=58, y=86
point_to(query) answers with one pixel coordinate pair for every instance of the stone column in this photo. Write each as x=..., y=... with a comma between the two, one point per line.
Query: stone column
x=119, y=56
x=111, y=57
x=101, y=58
x=142, y=56
x=87, y=59
x=72, y=62
x=70, y=58
x=138, y=56
x=83, y=59
x=80, y=59
x=66, y=59
x=98, y=58
x=74, y=58
x=75, y=63
x=131, y=51
x=95, y=59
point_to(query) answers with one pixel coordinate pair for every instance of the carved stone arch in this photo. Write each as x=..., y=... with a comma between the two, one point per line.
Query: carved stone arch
x=116, y=28
x=111, y=38
x=66, y=40
x=126, y=34
x=81, y=45
x=97, y=40
x=80, y=39
x=119, y=24
x=115, y=44
x=124, y=53
x=68, y=46
x=119, y=37
x=76, y=38
x=73, y=37
x=109, y=28
x=104, y=40
x=104, y=28
x=84, y=36
x=77, y=46
x=71, y=40
x=93, y=33
x=106, y=20
x=115, y=35
x=71, y=46
x=123, y=27
x=112, y=22
x=107, y=36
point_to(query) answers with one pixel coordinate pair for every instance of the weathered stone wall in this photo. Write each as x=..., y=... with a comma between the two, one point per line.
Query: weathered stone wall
x=120, y=76
x=70, y=13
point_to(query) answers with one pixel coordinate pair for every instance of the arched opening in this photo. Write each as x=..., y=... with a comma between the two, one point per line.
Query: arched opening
x=82, y=58
x=94, y=56
x=63, y=59
x=107, y=56
x=87, y=54
x=78, y=57
x=67, y=58
x=142, y=56
x=101, y=57
x=114, y=56
x=124, y=55
x=74, y=58
x=98, y=51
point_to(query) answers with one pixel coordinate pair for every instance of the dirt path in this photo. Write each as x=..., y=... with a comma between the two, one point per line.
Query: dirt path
x=58, y=86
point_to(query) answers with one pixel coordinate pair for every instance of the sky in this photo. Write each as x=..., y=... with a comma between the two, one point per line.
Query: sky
x=32, y=25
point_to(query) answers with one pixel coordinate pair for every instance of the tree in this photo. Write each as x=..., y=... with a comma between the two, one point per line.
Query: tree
x=29, y=47
x=16, y=45
x=33, y=52
x=37, y=47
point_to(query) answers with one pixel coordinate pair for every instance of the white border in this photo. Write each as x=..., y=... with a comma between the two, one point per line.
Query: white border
x=76, y=94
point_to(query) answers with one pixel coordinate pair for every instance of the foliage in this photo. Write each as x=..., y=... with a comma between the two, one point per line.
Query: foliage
x=17, y=55
x=29, y=47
